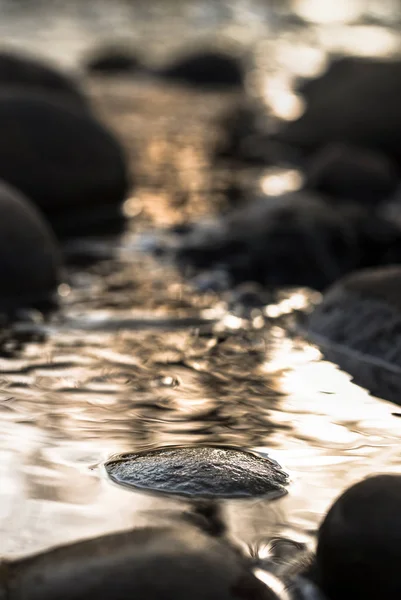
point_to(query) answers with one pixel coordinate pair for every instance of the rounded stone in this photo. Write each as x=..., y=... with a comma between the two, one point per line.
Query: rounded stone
x=358, y=325
x=31, y=74
x=29, y=257
x=355, y=101
x=359, y=542
x=290, y=240
x=60, y=158
x=113, y=60
x=156, y=563
x=208, y=69
x=200, y=472
x=346, y=172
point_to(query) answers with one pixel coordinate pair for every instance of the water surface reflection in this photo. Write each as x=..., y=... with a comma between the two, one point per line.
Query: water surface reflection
x=102, y=378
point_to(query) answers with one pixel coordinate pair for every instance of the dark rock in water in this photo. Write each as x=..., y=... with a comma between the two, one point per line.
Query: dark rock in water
x=245, y=138
x=61, y=159
x=359, y=542
x=356, y=101
x=293, y=240
x=358, y=325
x=350, y=173
x=31, y=74
x=206, y=69
x=200, y=472
x=165, y=563
x=113, y=61
x=29, y=258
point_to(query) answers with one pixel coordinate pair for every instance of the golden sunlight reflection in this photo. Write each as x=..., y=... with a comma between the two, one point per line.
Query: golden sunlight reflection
x=132, y=207
x=64, y=290
x=274, y=584
x=328, y=11
x=283, y=102
x=130, y=367
x=298, y=300
x=362, y=40
x=299, y=59
x=280, y=181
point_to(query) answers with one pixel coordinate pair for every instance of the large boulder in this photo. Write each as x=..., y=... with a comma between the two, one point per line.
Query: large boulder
x=290, y=240
x=358, y=325
x=29, y=257
x=345, y=172
x=155, y=563
x=31, y=74
x=356, y=101
x=359, y=542
x=65, y=161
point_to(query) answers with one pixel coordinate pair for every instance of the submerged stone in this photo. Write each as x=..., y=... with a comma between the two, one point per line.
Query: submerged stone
x=359, y=540
x=30, y=261
x=203, y=472
x=62, y=159
x=208, y=69
x=31, y=74
x=154, y=563
x=358, y=325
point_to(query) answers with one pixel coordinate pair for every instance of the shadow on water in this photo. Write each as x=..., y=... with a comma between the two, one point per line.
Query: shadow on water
x=138, y=360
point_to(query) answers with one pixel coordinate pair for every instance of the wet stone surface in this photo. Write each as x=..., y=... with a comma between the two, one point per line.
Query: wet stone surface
x=202, y=472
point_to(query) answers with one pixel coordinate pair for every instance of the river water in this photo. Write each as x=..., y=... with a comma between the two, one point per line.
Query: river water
x=137, y=359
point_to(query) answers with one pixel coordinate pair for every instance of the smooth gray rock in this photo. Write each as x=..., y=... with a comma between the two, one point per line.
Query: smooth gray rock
x=296, y=239
x=62, y=159
x=358, y=325
x=113, y=60
x=355, y=101
x=200, y=472
x=205, y=69
x=30, y=264
x=359, y=542
x=32, y=74
x=346, y=172
x=165, y=563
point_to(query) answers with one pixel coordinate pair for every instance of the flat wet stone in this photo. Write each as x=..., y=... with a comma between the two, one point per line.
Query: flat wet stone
x=202, y=472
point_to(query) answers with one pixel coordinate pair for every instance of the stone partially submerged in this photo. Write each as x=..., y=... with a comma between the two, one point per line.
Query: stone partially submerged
x=63, y=160
x=358, y=326
x=205, y=69
x=31, y=74
x=291, y=240
x=359, y=540
x=30, y=262
x=200, y=472
x=356, y=101
x=154, y=563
